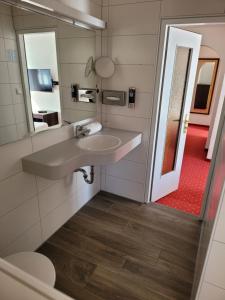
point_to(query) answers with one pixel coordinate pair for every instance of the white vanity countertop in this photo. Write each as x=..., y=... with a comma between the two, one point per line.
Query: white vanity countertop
x=62, y=159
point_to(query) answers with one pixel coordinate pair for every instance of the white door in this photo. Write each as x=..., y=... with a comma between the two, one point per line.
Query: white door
x=180, y=66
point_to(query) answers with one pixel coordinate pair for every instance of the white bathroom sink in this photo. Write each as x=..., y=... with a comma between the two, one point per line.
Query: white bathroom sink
x=99, y=142
x=60, y=160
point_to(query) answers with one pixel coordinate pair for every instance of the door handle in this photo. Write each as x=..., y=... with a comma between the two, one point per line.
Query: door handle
x=186, y=122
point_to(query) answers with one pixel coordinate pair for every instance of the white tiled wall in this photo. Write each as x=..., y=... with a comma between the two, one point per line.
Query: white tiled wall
x=131, y=40
x=32, y=208
x=12, y=108
x=213, y=278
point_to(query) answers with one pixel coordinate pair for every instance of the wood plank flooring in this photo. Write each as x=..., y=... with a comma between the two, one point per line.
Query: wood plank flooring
x=117, y=249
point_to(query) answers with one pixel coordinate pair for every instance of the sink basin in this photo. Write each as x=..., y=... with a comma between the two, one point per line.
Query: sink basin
x=99, y=142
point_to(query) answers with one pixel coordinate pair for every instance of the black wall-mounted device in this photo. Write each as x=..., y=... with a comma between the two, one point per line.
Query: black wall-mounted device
x=131, y=97
x=74, y=92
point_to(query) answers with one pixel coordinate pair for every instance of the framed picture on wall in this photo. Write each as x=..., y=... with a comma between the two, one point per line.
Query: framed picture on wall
x=204, y=85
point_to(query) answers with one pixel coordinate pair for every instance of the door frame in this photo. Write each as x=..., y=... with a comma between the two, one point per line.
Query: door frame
x=160, y=64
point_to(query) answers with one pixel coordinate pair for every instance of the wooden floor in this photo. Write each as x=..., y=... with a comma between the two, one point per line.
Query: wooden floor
x=116, y=249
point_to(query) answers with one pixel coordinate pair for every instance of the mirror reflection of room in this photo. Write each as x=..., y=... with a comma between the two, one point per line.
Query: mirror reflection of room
x=42, y=71
x=204, y=85
x=41, y=58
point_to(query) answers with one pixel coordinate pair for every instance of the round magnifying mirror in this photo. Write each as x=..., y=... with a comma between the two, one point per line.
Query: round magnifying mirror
x=89, y=66
x=104, y=67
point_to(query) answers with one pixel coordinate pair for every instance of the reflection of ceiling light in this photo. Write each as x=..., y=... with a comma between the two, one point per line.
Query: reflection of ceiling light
x=81, y=24
x=38, y=4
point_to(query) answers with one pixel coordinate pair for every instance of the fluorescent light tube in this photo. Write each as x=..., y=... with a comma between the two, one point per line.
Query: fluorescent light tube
x=38, y=4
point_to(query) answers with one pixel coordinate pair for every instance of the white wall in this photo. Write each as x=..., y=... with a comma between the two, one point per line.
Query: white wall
x=216, y=118
x=211, y=38
x=12, y=109
x=41, y=54
x=33, y=208
x=212, y=284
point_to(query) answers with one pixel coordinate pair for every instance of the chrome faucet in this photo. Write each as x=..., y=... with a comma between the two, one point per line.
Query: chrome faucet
x=82, y=131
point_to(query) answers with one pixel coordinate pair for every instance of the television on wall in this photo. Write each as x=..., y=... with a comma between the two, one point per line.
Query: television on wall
x=40, y=80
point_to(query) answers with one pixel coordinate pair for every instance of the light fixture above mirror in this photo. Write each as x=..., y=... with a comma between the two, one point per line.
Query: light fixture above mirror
x=69, y=15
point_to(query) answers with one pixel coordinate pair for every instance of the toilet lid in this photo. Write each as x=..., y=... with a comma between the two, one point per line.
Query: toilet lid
x=35, y=264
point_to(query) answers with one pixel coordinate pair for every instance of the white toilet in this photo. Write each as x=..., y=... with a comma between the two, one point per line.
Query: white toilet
x=35, y=264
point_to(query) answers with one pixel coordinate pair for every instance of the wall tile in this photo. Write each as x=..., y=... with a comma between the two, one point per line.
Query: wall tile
x=5, y=94
x=22, y=130
x=174, y=8
x=140, y=76
x=74, y=73
x=4, y=73
x=5, y=9
x=20, y=113
x=210, y=292
x=127, y=123
x=18, y=221
x=8, y=29
x=137, y=49
x=46, y=139
x=128, y=170
x=11, y=50
x=117, y=2
x=216, y=265
x=10, y=157
x=1, y=25
x=8, y=134
x=56, y=218
x=125, y=188
x=6, y=115
x=14, y=72
x=56, y=194
x=17, y=93
x=30, y=240
x=220, y=226
x=15, y=190
x=138, y=18
x=43, y=183
x=2, y=50
x=33, y=21
x=76, y=50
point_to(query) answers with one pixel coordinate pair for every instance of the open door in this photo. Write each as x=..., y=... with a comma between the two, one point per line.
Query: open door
x=180, y=66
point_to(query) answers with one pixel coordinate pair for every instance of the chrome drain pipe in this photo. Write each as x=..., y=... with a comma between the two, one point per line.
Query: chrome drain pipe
x=85, y=174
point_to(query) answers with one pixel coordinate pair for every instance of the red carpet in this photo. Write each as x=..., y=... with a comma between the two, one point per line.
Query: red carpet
x=195, y=169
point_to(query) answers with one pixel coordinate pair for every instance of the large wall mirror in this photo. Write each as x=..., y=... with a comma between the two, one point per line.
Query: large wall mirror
x=43, y=83
x=204, y=85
